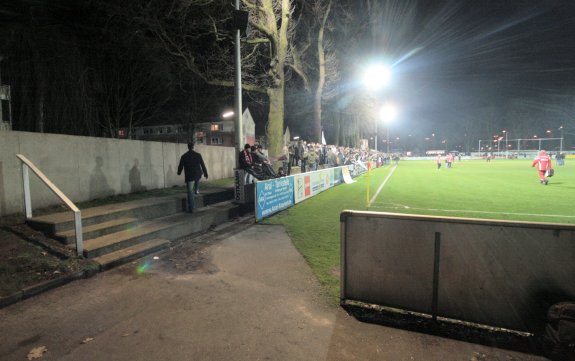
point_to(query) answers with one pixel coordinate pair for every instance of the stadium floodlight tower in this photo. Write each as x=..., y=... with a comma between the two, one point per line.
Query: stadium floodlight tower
x=375, y=78
x=388, y=114
x=506, y=147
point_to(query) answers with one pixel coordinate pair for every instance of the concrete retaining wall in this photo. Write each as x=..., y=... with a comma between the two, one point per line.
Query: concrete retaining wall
x=86, y=168
x=497, y=273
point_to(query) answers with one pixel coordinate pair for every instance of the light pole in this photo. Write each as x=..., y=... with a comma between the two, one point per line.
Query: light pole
x=375, y=78
x=506, y=147
x=388, y=114
x=238, y=82
x=375, y=145
x=561, y=142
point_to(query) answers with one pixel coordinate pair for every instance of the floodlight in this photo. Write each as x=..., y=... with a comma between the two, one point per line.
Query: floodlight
x=377, y=76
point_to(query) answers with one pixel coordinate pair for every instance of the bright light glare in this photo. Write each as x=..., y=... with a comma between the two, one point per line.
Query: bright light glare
x=388, y=113
x=377, y=76
x=227, y=114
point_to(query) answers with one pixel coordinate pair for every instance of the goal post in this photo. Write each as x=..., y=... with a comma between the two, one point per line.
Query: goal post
x=505, y=147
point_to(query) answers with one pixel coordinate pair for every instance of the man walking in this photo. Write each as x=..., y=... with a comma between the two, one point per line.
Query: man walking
x=543, y=162
x=193, y=165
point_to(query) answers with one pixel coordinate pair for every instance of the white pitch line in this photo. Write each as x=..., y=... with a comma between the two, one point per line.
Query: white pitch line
x=381, y=186
x=485, y=212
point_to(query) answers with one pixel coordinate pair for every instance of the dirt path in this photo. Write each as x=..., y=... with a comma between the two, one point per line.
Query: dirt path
x=250, y=296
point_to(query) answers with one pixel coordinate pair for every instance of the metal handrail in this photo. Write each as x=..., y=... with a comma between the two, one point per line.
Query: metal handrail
x=27, y=164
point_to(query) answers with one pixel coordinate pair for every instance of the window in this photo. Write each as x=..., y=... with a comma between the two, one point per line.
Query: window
x=217, y=140
x=121, y=133
x=216, y=127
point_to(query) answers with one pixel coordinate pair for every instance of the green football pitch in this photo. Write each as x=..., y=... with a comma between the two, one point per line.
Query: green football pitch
x=500, y=189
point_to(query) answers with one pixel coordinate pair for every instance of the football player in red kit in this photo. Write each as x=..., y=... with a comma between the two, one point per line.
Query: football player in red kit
x=543, y=162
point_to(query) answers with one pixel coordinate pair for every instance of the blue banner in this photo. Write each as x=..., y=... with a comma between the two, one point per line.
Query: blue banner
x=273, y=196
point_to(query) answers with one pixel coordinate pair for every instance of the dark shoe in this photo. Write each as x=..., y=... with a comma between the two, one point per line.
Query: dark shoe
x=546, y=182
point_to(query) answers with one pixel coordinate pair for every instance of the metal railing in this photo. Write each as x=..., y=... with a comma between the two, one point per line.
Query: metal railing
x=27, y=164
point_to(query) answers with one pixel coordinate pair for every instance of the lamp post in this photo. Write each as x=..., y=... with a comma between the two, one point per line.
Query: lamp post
x=561, y=142
x=506, y=147
x=375, y=144
x=238, y=85
x=388, y=114
x=375, y=78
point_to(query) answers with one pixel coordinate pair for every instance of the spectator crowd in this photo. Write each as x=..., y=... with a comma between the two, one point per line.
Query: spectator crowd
x=308, y=157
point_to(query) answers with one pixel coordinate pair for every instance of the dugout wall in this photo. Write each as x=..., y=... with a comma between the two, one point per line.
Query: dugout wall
x=496, y=273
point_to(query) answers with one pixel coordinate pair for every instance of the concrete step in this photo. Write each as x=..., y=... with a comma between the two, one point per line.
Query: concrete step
x=97, y=230
x=128, y=254
x=147, y=208
x=169, y=227
x=142, y=209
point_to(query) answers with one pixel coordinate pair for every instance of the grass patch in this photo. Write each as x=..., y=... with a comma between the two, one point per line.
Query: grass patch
x=503, y=189
x=24, y=264
x=313, y=225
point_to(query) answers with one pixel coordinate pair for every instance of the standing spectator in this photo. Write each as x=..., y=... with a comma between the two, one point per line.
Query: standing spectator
x=312, y=158
x=300, y=153
x=322, y=155
x=560, y=159
x=193, y=165
x=543, y=162
x=295, y=148
x=291, y=151
x=438, y=161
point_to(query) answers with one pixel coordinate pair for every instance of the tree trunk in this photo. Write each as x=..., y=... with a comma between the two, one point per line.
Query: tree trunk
x=321, y=79
x=276, y=121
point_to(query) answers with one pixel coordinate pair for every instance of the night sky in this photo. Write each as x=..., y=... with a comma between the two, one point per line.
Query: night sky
x=459, y=66
x=459, y=57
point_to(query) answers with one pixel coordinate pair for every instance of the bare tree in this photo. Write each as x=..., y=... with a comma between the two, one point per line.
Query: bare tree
x=314, y=58
x=195, y=33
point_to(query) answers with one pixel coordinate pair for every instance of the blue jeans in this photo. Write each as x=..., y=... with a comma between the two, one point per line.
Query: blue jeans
x=193, y=187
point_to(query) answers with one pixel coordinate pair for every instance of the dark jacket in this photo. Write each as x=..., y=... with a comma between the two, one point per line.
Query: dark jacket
x=193, y=165
x=246, y=160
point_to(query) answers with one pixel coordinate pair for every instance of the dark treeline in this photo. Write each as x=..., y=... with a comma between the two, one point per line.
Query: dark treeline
x=463, y=71
x=76, y=68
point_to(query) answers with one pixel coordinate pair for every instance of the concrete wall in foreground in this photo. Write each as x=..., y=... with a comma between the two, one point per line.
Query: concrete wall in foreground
x=498, y=273
x=86, y=168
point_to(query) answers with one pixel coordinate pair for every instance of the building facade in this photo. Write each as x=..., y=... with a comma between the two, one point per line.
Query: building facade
x=220, y=132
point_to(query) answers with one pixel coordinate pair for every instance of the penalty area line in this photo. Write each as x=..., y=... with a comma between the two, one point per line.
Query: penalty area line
x=472, y=211
x=381, y=186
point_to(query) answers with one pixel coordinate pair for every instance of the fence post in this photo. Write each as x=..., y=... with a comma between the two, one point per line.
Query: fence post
x=78, y=229
x=27, y=198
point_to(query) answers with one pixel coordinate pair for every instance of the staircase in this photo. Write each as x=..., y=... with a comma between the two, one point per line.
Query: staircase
x=118, y=233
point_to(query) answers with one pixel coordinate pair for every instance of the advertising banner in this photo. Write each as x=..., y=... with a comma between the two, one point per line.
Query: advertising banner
x=337, y=176
x=315, y=183
x=273, y=196
x=302, y=187
x=346, y=176
x=326, y=176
